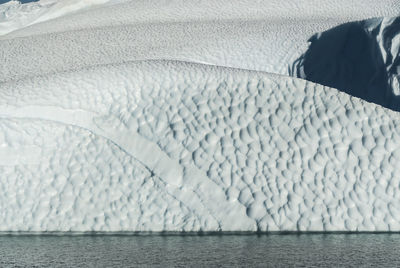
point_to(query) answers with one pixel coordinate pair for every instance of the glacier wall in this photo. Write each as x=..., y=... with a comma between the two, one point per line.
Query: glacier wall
x=175, y=146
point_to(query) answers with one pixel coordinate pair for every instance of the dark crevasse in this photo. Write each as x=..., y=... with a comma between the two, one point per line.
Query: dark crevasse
x=360, y=58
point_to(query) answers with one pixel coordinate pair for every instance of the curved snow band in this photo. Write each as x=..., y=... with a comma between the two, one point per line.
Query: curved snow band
x=172, y=146
x=360, y=58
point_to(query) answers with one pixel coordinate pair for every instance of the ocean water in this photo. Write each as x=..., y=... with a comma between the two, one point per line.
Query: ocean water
x=229, y=250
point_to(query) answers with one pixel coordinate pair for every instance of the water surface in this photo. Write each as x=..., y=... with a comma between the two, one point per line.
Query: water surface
x=276, y=250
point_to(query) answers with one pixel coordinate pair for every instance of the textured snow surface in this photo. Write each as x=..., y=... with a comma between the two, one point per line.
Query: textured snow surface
x=177, y=146
x=107, y=123
x=251, y=34
x=151, y=11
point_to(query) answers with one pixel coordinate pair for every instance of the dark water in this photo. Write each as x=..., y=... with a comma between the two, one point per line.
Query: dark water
x=305, y=250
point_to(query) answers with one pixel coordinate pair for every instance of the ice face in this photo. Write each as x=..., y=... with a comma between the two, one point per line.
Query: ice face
x=360, y=58
x=174, y=146
x=96, y=135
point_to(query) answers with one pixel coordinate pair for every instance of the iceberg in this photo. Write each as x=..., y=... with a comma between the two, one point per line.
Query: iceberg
x=176, y=117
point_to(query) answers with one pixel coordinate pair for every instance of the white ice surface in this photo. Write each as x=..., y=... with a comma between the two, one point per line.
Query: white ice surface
x=150, y=11
x=14, y=15
x=176, y=146
x=93, y=139
x=250, y=34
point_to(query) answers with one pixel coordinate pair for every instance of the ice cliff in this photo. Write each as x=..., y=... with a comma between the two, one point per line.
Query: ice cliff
x=171, y=116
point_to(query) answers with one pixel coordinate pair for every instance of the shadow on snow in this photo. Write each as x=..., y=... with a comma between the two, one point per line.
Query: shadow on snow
x=359, y=58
